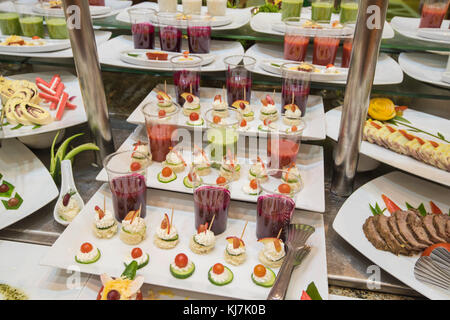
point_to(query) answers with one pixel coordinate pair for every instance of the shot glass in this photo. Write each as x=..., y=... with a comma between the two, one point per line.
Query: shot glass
x=9, y=21
x=167, y=5
x=191, y=7
x=295, y=42
x=346, y=52
x=142, y=27
x=349, y=11
x=291, y=8
x=433, y=13
x=295, y=86
x=127, y=182
x=56, y=27
x=217, y=7
x=199, y=34
x=321, y=10
x=186, y=75
x=31, y=25
x=170, y=35
x=325, y=49
x=239, y=77
x=283, y=146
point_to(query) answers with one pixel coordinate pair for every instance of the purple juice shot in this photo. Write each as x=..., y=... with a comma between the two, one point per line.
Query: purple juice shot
x=170, y=38
x=129, y=193
x=238, y=88
x=294, y=92
x=186, y=81
x=273, y=213
x=211, y=201
x=143, y=35
x=199, y=39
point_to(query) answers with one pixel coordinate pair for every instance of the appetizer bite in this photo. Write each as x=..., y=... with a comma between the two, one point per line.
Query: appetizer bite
x=292, y=177
x=174, y=160
x=264, y=127
x=195, y=120
x=105, y=226
x=166, y=236
x=245, y=109
x=191, y=104
x=220, y=275
x=141, y=149
x=258, y=171
x=134, y=229
x=68, y=207
x=166, y=175
x=252, y=188
x=235, y=252
x=204, y=240
x=87, y=254
x=220, y=107
x=273, y=253
x=139, y=256
x=182, y=267
x=127, y=287
x=263, y=276
x=229, y=169
x=243, y=125
x=165, y=102
x=192, y=179
x=292, y=115
x=268, y=111
x=201, y=162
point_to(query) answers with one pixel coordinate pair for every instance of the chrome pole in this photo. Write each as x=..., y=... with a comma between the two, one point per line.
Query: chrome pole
x=84, y=50
x=366, y=47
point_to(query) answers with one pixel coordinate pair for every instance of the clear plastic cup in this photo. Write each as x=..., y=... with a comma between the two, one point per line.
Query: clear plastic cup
x=191, y=6
x=30, y=24
x=167, y=5
x=199, y=34
x=170, y=34
x=433, y=13
x=325, y=50
x=295, y=42
x=296, y=85
x=349, y=11
x=9, y=20
x=142, y=27
x=186, y=75
x=321, y=10
x=57, y=27
x=239, y=77
x=217, y=7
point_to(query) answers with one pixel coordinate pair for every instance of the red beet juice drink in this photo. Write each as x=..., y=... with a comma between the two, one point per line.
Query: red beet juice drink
x=296, y=85
x=142, y=27
x=239, y=77
x=325, y=49
x=273, y=213
x=186, y=76
x=170, y=38
x=212, y=201
x=97, y=3
x=199, y=34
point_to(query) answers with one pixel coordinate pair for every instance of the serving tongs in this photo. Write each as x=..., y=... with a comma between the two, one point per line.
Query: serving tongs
x=435, y=269
x=297, y=250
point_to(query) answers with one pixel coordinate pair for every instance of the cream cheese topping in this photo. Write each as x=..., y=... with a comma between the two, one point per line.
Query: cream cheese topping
x=219, y=105
x=220, y=278
x=137, y=226
x=264, y=278
x=293, y=114
x=88, y=256
x=258, y=170
x=70, y=211
x=141, y=260
x=269, y=109
x=184, y=269
x=173, y=158
x=271, y=253
x=162, y=233
x=205, y=238
x=105, y=222
x=235, y=251
x=192, y=105
x=247, y=189
x=294, y=173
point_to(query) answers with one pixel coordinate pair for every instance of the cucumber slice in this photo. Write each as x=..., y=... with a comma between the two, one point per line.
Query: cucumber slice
x=250, y=114
x=160, y=179
x=261, y=128
x=290, y=180
x=237, y=168
x=142, y=264
x=230, y=277
x=268, y=114
x=234, y=255
x=182, y=275
x=195, y=125
x=169, y=240
x=92, y=261
x=105, y=228
x=266, y=284
x=193, y=238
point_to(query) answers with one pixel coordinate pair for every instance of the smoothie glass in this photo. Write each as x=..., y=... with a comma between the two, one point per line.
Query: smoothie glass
x=31, y=25
x=170, y=35
x=211, y=200
x=57, y=27
x=349, y=11
x=217, y=7
x=161, y=130
x=222, y=135
x=291, y=8
x=142, y=27
x=186, y=76
x=97, y=3
x=199, y=34
x=282, y=146
x=433, y=13
x=346, y=52
x=9, y=21
x=127, y=183
x=167, y=5
x=325, y=49
x=192, y=6
x=321, y=10
x=239, y=77
x=295, y=43
x=296, y=85
x=274, y=209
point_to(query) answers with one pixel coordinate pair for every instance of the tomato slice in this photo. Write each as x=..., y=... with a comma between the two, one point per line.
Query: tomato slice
x=428, y=250
x=305, y=296
x=390, y=205
x=434, y=208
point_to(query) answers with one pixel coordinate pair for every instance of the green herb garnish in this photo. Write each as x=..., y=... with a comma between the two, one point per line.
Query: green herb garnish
x=312, y=292
x=17, y=127
x=376, y=210
x=8, y=207
x=135, y=55
x=8, y=193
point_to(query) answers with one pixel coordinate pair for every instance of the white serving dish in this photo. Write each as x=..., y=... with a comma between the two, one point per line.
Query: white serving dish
x=419, y=119
x=113, y=251
x=142, y=60
x=314, y=117
x=387, y=71
x=309, y=162
x=425, y=67
x=110, y=54
x=50, y=45
x=31, y=180
x=94, y=10
x=400, y=188
x=409, y=27
x=70, y=117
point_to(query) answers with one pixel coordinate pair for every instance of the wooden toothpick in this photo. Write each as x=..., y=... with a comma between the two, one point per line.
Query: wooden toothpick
x=279, y=233
x=242, y=235
x=104, y=204
x=171, y=218
x=292, y=102
x=190, y=88
x=212, y=221
x=165, y=86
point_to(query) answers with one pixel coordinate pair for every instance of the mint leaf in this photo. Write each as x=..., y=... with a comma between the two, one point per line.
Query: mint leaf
x=422, y=210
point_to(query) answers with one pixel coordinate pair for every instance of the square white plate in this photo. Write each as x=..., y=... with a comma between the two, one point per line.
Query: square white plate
x=400, y=188
x=109, y=53
x=31, y=179
x=387, y=71
x=408, y=27
x=309, y=162
x=113, y=251
x=420, y=120
x=314, y=117
x=70, y=117
x=21, y=270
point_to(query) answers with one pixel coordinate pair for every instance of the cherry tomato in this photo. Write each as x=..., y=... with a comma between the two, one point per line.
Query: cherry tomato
x=135, y=166
x=330, y=65
x=221, y=180
x=161, y=113
x=254, y=184
x=190, y=98
x=266, y=122
x=294, y=128
x=428, y=250
x=35, y=37
x=113, y=295
x=243, y=123
x=166, y=172
x=181, y=260
x=194, y=116
x=284, y=188
x=218, y=268
x=259, y=270
x=86, y=247
x=136, y=253
x=217, y=119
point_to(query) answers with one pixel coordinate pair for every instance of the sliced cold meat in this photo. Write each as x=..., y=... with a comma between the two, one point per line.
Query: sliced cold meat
x=415, y=224
x=440, y=224
x=373, y=236
x=394, y=230
x=428, y=224
x=381, y=223
x=404, y=229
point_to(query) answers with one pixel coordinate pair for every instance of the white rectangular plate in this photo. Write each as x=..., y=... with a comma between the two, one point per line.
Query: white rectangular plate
x=109, y=53
x=49, y=45
x=387, y=71
x=309, y=162
x=262, y=22
x=31, y=179
x=240, y=17
x=419, y=119
x=408, y=27
x=70, y=117
x=400, y=188
x=21, y=270
x=314, y=117
x=113, y=251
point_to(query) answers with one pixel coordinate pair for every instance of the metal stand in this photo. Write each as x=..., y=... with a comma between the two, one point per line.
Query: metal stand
x=366, y=47
x=84, y=50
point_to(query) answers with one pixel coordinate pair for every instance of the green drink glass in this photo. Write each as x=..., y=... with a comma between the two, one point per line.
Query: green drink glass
x=321, y=11
x=9, y=24
x=32, y=26
x=349, y=11
x=291, y=8
x=57, y=28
